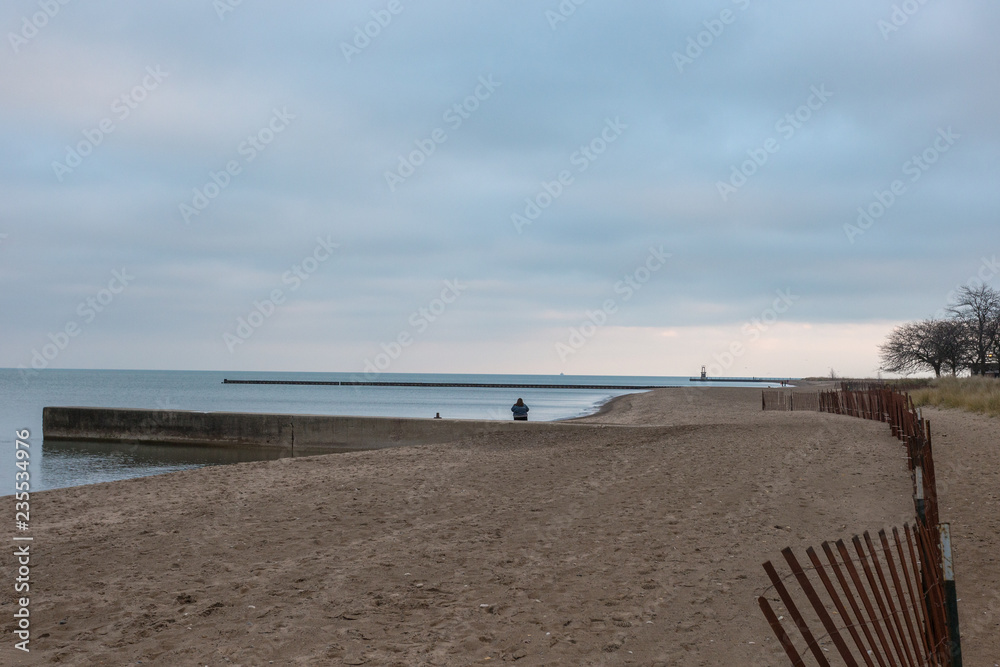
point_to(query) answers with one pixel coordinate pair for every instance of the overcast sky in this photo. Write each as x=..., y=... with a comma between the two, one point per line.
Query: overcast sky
x=588, y=187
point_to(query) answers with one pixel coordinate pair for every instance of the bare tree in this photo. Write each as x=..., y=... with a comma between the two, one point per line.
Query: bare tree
x=979, y=309
x=926, y=345
x=952, y=341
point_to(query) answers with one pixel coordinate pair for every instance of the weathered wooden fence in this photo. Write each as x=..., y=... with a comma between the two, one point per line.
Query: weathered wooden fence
x=782, y=399
x=892, y=602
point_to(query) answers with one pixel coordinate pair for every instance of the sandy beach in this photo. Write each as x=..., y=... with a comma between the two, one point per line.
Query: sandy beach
x=640, y=544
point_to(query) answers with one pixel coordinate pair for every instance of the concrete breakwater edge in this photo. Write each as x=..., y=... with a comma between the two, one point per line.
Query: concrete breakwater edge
x=300, y=434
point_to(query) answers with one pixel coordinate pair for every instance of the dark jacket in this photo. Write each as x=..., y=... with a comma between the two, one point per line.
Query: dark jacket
x=520, y=410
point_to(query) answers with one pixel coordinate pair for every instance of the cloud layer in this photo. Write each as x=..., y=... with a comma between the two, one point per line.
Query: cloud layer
x=533, y=152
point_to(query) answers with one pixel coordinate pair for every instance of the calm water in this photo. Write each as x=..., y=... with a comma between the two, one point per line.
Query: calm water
x=62, y=464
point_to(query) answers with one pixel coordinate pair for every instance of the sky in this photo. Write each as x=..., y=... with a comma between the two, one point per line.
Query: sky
x=579, y=187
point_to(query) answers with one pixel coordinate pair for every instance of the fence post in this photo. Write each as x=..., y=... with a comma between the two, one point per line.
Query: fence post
x=918, y=491
x=950, y=597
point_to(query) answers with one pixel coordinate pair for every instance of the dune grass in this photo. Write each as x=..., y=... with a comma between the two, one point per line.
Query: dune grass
x=910, y=384
x=975, y=394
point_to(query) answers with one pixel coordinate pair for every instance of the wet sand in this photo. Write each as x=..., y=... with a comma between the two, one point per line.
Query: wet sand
x=628, y=546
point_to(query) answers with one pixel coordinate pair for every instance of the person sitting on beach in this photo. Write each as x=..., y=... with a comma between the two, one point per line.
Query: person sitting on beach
x=520, y=410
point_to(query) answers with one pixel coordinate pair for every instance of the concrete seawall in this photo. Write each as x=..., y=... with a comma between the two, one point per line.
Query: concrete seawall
x=292, y=433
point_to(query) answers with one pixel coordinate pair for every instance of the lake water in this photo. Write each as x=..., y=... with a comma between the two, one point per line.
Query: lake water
x=61, y=464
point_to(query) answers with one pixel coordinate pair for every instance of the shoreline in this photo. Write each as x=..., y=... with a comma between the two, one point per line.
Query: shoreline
x=604, y=408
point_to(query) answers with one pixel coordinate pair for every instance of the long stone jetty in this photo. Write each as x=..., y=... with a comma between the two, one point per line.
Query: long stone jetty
x=299, y=434
x=491, y=385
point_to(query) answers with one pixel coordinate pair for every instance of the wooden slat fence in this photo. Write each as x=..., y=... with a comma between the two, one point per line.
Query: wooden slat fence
x=783, y=399
x=891, y=600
